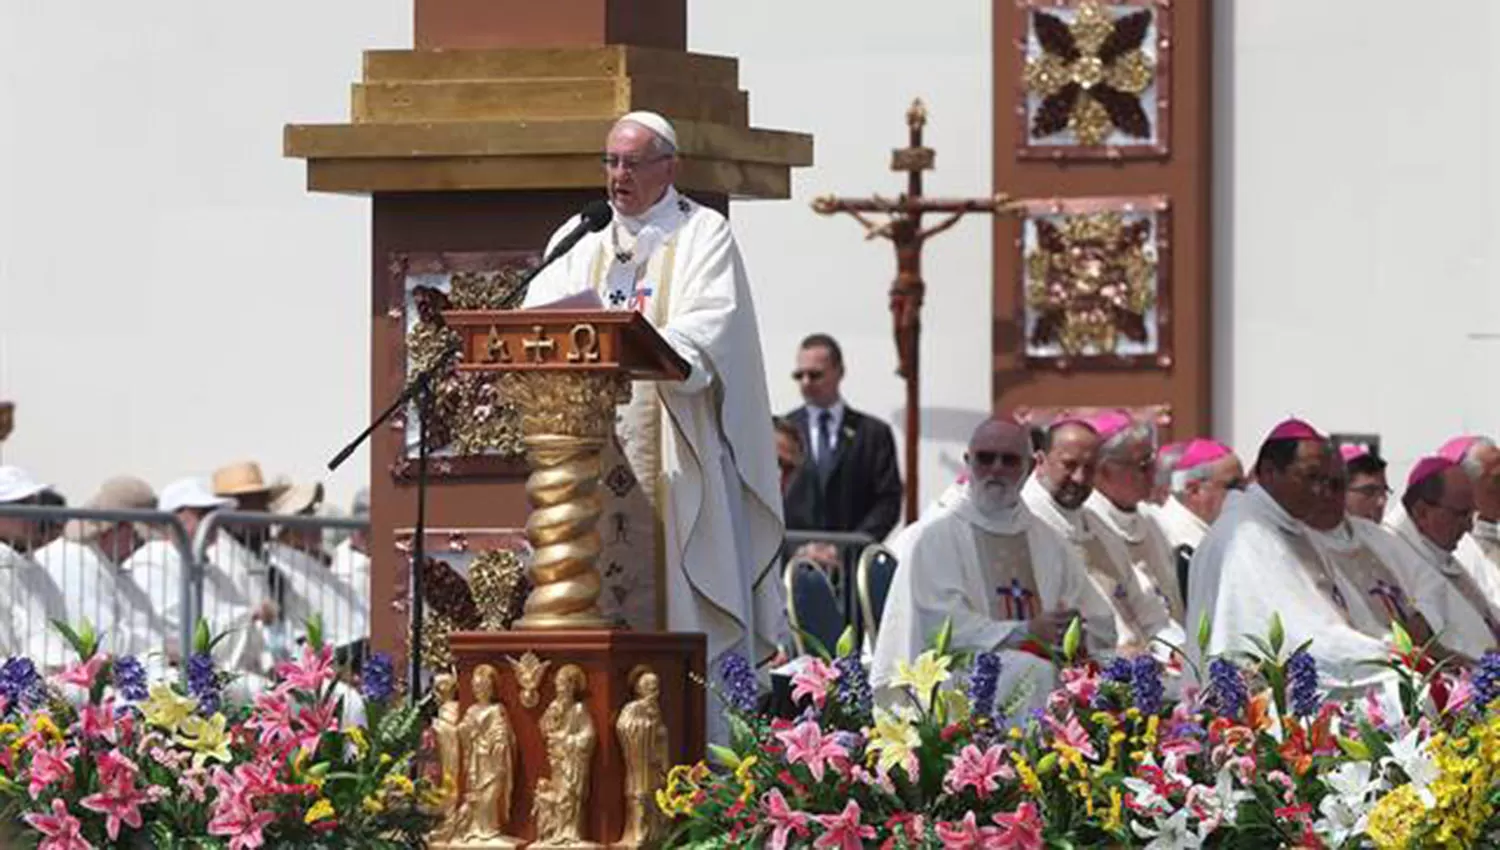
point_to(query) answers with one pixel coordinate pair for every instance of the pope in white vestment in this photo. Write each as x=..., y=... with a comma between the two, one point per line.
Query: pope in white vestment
x=1257, y=562
x=994, y=571
x=702, y=447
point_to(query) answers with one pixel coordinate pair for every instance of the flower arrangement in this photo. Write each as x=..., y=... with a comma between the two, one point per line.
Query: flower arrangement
x=99, y=757
x=1257, y=757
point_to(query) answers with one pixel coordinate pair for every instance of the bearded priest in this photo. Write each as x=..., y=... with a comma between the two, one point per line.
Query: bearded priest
x=697, y=455
x=1005, y=580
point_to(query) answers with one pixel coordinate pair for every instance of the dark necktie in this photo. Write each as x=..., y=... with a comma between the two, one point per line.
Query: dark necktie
x=825, y=433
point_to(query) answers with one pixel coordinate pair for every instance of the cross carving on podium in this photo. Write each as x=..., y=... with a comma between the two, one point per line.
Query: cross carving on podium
x=538, y=348
x=903, y=227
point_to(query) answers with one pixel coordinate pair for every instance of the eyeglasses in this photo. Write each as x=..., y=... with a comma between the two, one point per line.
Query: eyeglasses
x=627, y=163
x=808, y=375
x=989, y=458
x=1370, y=491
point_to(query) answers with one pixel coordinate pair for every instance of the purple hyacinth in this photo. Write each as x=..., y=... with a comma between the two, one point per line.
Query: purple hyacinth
x=19, y=682
x=377, y=679
x=984, y=684
x=1487, y=680
x=1226, y=694
x=1119, y=670
x=203, y=683
x=738, y=679
x=130, y=678
x=1145, y=684
x=1302, y=680
x=851, y=690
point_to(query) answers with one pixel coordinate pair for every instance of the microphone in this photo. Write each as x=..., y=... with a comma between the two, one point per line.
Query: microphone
x=594, y=217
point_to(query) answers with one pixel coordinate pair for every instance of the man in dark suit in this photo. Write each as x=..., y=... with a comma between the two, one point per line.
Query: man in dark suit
x=852, y=480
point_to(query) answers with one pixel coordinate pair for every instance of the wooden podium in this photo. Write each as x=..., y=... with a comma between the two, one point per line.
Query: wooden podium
x=567, y=371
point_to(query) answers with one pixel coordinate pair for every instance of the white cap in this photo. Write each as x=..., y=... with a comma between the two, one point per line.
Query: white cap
x=190, y=493
x=653, y=122
x=17, y=485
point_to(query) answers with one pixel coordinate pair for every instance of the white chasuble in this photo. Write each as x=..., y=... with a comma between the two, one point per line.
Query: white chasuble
x=1139, y=615
x=987, y=576
x=1150, y=557
x=1375, y=577
x=1463, y=617
x=701, y=448
x=1479, y=552
x=1256, y=563
x=1180, y=526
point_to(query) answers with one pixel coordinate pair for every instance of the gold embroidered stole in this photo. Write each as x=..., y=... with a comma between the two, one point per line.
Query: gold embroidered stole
x=632, y=559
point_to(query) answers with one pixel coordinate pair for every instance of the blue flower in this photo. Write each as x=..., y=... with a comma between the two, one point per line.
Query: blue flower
x=1119, y=671
x=1302, y=678
x=1145, y=684
x=741, y=690
x=1226, y=693
x=130, y=678
x=851, y=690
x=19, y=682
x=203, y=683
x=377, y=679
x=1487, y=680
x=984, y=684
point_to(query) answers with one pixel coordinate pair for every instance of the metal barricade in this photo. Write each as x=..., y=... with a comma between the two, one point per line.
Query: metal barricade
x=265, y=576
x=840, y=569
x=127, y=573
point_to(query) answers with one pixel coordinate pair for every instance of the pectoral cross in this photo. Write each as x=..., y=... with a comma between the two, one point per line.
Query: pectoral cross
x=903, y=227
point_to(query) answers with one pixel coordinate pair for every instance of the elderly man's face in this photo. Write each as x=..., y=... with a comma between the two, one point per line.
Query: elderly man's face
x=637, y=172
x=1448, y=519
x=1487, y=486
x=1328, y=502
x=1067, y=470
x=1125, y=479
x=1206, y=498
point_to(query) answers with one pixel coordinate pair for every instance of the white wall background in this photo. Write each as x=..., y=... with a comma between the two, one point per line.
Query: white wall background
x=1356, y=186
x=171, y=299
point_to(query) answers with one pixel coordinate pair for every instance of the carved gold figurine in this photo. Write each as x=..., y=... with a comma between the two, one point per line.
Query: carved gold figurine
x=490, y=748
x=569, y=733
x=643, y=741
x=529, y=670
x=450, y=755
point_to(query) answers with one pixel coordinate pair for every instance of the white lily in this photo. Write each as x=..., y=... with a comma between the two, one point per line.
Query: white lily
x=1170, y=834
x=1410, y=754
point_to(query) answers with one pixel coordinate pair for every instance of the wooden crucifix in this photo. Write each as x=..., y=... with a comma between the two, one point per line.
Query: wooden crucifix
x=903, y=227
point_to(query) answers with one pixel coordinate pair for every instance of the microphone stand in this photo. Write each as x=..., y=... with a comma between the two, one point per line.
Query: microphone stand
x=419, y=388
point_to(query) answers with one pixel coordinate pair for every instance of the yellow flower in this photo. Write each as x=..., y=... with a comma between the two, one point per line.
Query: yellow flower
x=1029, y=781
x=893, y=740
x=924, y=676
x=43, y=724
x=206, y=738
x=357, y=738
x=398, y=783
x=166, y=708
x=1394, y=817
x=742, y=773
x=9, y=729
x=321, y=810
x=677, y=797
x=1113, y=822
x=371, y=805
x=1105, y=719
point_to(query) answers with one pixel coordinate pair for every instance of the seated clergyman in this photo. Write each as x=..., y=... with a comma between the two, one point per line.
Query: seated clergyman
x=1005, y=580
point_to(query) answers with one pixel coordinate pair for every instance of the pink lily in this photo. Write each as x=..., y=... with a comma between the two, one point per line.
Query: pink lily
x=311, y=673
x=49, y=766
x=98, y=721
x=1020, y=830
x=1072, y=734
x=61, y=830
x=782, y=818
x=814, y=680
x=843, y=830
x=83, y=674
x=120, y=800
x=806, y=744
x=966, y=834
x=1080, y=683
x=273, y=720
x=978, y=770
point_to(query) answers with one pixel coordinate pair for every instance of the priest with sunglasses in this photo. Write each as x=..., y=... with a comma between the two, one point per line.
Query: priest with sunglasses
x=1006, y=581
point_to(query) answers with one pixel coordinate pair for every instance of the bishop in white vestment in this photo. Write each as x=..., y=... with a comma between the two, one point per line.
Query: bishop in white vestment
x=1435, y=512
x=1005, y=580
x=1256, y=562
x=700, y=448
x=1479, y=550
x=1056, y=493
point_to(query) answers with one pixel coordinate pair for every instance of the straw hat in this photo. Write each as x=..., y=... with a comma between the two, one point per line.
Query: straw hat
x=121, y=493
x=297, y=499
x=240, y=479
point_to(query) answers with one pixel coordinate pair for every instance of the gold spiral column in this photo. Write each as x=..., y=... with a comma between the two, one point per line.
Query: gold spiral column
x=566, y=419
